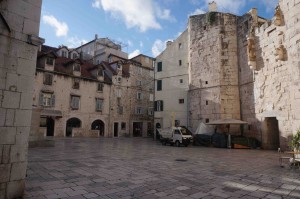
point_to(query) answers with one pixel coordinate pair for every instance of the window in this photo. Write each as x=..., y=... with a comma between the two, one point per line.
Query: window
x=76, y=67
x=151, y=98
x=119, y=79
x=159, y=85
x=181, y=81
x=140, y=70
x=74, y=55
x=75, y=101
x=120, y=110
x=139, y=110
x=206, y=102
x=100, y=87
x=159, y=66
x=64, y=53
x=109, y=60
x=180, y=62
x=139, y=95
x=47, y=99
x=179, y=45
x=49, y=61
x=123, y=126
x=139, y=83
x=150, y=111
x=118, y=93
x=181, y=101
x=99, y=104
x=76, y=83
x=100, y=72
x=206, y=120
x=206, y=82
x=48, y=79
x=43, y=122
x=150, y=90
x=159, y=105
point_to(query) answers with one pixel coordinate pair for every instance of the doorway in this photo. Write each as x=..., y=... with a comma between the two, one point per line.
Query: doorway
x=137, y=129
x=72, y=123
x=98, y=125
x=271, y=134
x=116, y=129
x=50, y=126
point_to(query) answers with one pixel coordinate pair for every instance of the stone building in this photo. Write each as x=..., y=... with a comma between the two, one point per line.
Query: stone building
x=132, y=95
x=74, y=97
x=19, y=41
x=70, y=95
x=172, y=83
x=245, y=67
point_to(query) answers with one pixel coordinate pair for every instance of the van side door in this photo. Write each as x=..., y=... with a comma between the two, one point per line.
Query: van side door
x=177, y=136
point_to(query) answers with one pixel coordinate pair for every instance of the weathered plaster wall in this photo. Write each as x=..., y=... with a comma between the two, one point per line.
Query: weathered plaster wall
x=172, y=88
x=17, y=67
x=214, y=90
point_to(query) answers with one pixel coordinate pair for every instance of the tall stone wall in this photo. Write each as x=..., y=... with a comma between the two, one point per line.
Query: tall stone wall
x=271, y=89
x=214, y=92
x=19, y=27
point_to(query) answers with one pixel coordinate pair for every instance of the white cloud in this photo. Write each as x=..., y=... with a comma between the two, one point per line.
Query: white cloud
x=135, y=13
x=74, y=42
x=129, y=43
x=134, y=53
x=270, y=5
x=141, y=44
x=61, y=28
x=158, y=47
x=197, y=12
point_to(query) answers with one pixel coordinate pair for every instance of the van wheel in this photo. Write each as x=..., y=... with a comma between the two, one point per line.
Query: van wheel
x=177, y=143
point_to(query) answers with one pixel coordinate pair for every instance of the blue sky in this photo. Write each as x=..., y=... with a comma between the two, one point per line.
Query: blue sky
x=142, y=26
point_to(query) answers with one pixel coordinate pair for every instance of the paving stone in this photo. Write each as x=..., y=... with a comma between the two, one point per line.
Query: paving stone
x=149, y=170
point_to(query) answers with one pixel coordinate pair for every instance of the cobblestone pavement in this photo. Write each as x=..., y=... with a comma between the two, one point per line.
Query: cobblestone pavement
x=142, y=168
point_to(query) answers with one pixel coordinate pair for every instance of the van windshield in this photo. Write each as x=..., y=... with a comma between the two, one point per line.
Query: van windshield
x=184, y=131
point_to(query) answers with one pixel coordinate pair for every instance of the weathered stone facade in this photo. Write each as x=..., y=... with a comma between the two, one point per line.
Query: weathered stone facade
x=214, y=92
x=19, y=29
x=246, y=67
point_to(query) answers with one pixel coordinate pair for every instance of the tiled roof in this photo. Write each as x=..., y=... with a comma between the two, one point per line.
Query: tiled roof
x=46, y=49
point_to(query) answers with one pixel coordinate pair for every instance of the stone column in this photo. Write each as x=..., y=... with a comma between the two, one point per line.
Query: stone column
x=19, y=29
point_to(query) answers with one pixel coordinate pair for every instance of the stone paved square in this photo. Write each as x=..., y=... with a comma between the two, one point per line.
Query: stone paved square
x=142, y=168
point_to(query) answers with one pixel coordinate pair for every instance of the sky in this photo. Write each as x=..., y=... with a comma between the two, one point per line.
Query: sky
x=141, y=26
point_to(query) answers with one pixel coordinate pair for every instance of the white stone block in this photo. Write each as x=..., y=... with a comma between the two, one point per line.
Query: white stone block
x=22, y=135
x=18, y=171
x=30, y=27
x=5, y=154
x=10, y=117
x=15, y=189
x=11, y=99
x=26, y=67
x=23, y=118
x=25, y=84
x=11, y=81
x=18, y=153
x=4, y=172
x=26, y=101
x=2, y=116
x=8, y=135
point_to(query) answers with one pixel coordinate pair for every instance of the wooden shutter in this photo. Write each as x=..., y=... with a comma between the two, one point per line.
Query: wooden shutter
x=41, y=99
x=53, y=100
x=161, y=105
x=155, y=106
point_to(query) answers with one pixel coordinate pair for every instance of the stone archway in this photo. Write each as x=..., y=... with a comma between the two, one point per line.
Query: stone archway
x=98, y=125
x=72, y=123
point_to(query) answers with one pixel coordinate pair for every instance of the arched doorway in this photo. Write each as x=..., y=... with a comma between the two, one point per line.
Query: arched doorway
x=72, y=123
x=98, y=125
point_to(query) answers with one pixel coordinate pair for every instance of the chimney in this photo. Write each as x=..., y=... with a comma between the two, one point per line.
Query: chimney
x=212, y=7
x=96, y=36
x=169, y=43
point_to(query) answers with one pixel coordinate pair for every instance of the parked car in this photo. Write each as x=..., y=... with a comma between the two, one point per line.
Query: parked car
x=175, y=135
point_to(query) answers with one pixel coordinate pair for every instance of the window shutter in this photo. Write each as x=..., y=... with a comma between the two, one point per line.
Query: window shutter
x=155, y=106
x=53, y=100
x=142, y=96
x=161, y=105
x=151, y=98
x=41, y=99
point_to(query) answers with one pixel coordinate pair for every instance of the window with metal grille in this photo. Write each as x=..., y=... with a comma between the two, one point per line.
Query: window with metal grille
x=48, y=78
x=158, y=105
x=139, y=110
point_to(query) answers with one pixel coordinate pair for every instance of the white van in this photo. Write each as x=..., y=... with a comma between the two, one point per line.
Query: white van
x=175, y=135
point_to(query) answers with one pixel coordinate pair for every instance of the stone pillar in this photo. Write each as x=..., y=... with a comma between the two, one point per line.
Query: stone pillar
x=19, y=27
